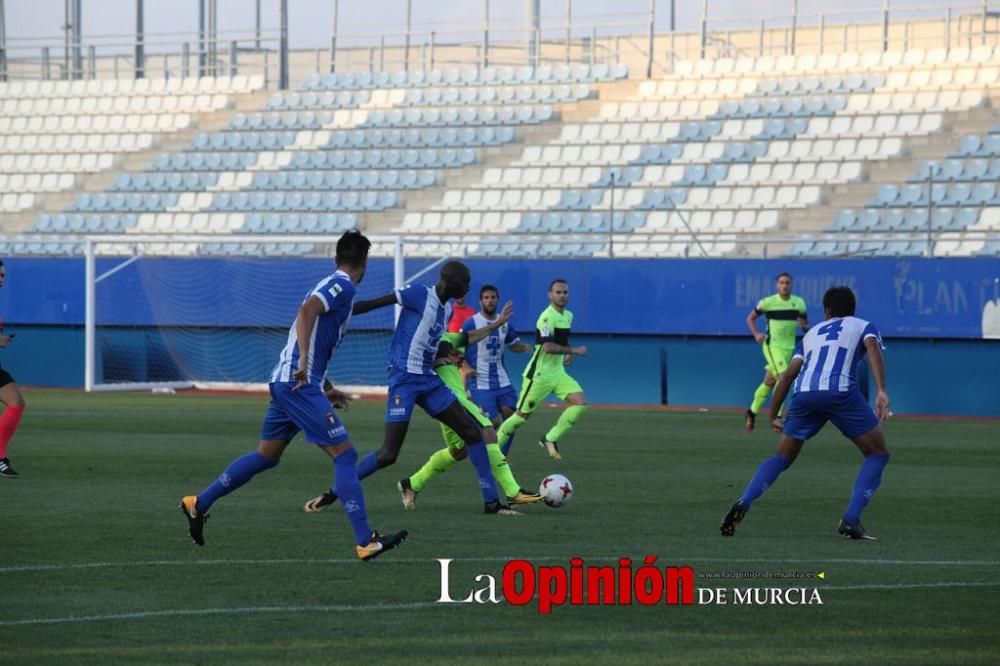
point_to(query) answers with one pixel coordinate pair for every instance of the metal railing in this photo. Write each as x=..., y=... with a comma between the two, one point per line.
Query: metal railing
x=631, y=37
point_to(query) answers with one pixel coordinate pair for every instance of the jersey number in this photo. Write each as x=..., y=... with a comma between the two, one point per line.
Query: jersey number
x=831, y=330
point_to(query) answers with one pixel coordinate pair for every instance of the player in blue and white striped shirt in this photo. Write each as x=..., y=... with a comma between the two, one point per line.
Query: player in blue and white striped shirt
x=491, y=387
x=300, y=401
x=412, y=380
x=824, y=371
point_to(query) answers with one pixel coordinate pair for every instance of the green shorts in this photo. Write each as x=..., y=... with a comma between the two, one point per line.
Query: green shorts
x=536, y=389
x=776, y=358
x=451, y=437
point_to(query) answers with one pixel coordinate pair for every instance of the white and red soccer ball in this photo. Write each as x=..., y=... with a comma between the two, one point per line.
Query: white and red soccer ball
x=556, y=490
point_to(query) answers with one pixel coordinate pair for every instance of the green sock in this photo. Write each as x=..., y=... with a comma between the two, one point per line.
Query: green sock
x=501, y=471
x=760, y=397
x=439, y=462
x=451, y=438
x=566, y=421
x=509, y=427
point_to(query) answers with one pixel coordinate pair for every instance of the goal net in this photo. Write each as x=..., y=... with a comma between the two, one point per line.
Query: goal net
x=183, y=312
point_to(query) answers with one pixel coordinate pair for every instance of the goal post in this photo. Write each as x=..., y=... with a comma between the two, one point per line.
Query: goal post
x=213, y=312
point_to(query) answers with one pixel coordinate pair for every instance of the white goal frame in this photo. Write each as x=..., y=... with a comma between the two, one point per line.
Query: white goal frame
x=91, y=253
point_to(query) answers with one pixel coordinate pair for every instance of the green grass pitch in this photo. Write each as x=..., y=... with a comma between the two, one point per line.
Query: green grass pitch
x=97, y=566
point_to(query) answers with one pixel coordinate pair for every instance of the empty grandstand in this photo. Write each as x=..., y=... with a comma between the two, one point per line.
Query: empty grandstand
x=837, y=149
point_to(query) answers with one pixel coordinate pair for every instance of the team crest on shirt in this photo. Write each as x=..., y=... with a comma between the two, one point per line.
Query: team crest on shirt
x=331, y=419
x=395, y=399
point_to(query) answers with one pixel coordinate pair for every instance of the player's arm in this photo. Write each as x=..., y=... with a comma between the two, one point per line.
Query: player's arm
x=752, y=325
x=478, y=334
x=553, y=348
x=361, y=307
x=521, y=347
x=305, y=322
x=781, y=390
x=337, y=398
x=876, y=363
x=803, y=318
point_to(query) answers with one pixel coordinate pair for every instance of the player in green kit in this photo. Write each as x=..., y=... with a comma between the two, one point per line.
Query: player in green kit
x=785, y=313
x=546, y=373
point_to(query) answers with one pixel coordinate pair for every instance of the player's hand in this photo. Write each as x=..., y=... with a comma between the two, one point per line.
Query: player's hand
x=777, y=424
x=568, y=359
x=580, y=351
x=5, y=340
x=505, y=314
x=453, y=357
x=882, y=406
x=759, y=337
x=337, y=398
x=300, y=377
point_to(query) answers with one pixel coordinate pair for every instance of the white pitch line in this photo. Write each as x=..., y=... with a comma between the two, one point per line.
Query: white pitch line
x=189, y=612
x=677, y=561
x=247, y=610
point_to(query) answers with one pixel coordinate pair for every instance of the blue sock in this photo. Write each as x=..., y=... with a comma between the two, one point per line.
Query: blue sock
x=506, y=445
x=865, y=486
x=481, y=461
x=762, y=480
x=238, y=473
x=367, y=466
x=352, y=497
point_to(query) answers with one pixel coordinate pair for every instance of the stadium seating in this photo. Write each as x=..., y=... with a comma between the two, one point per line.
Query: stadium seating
x=692, y=164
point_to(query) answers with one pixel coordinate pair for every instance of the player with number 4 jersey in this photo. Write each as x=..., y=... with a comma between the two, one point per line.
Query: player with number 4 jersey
x=824, y=372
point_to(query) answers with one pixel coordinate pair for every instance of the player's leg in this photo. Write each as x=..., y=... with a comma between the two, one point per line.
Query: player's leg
x=777, y=360
x=568, y=390
x=11, y=397
x=805, y=418
x=439, y=462
x=759, y=398
x=277, y=430
x=506, y=406
x=455, y=416
x=532, y=394
x=856, y=420
x=404, y=392
x=370, y=544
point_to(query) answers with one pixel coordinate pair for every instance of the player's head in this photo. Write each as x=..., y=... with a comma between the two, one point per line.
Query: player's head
x=839, y=302
x=559, y=292
x=352, y=252
x=455, y=279
x=783, y=282
x=489, y=296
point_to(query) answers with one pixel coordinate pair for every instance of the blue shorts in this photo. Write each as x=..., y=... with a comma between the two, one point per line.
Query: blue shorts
x=491, y=401
x=407, y=390
x=810, y=410
x=306, y=409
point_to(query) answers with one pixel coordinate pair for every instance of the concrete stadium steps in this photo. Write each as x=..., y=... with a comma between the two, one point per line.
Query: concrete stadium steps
x=500, y=156
x=898, y=170
x=99, y=181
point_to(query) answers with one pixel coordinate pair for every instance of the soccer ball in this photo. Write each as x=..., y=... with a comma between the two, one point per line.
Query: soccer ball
x=556, y=490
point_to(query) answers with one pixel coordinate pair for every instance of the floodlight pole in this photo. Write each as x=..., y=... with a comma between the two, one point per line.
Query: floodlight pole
x=201, y=38
x=3, y=42
x=140, y=33
x=406, y=43
x=652, y=37
x=256, y=26
x=77, y=39
x=283, y=48
x=333, y=37
x=532, y=24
